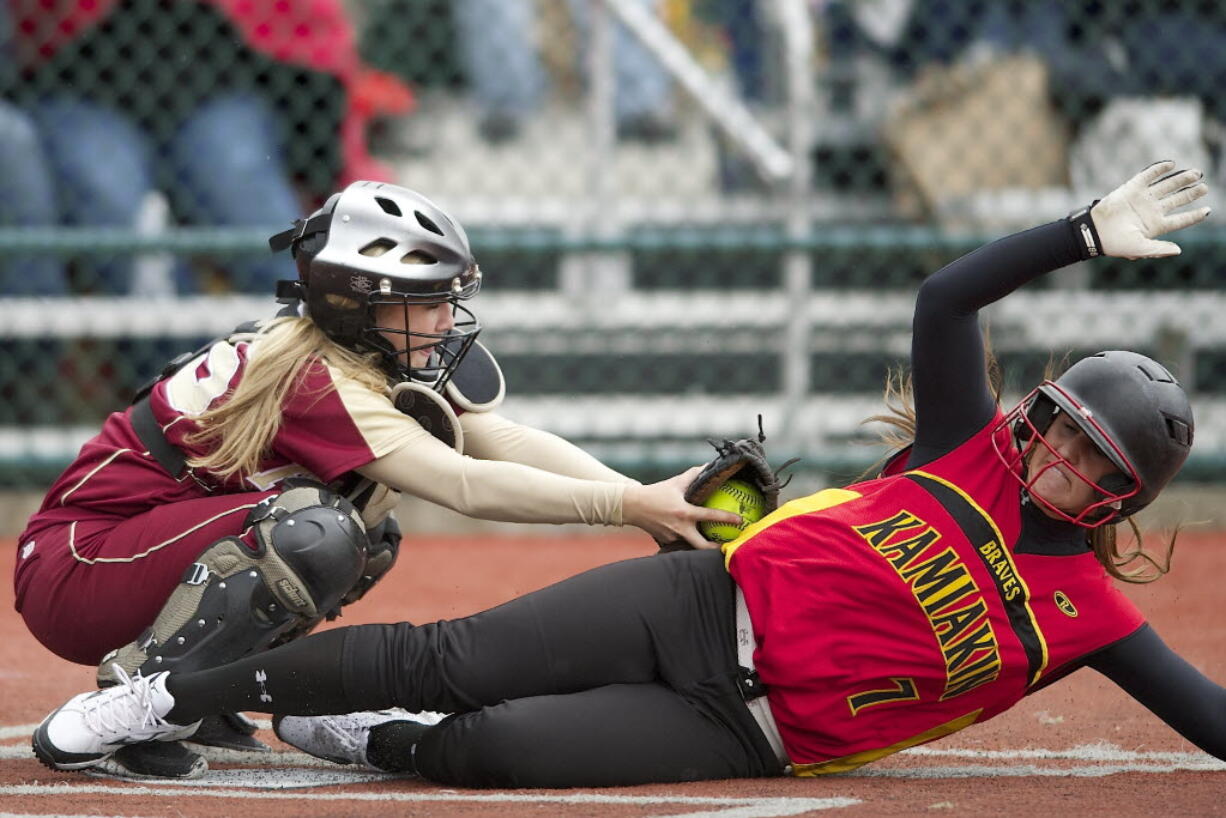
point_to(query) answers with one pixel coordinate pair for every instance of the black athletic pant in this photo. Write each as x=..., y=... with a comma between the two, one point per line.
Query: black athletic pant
x=625, y=674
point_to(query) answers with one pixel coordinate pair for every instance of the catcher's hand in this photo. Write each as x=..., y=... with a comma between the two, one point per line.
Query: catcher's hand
x=661, y=510
x=743, y=459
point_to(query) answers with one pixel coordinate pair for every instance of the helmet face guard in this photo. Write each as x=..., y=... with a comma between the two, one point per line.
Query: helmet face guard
x=1029, y=422
x=447, y=349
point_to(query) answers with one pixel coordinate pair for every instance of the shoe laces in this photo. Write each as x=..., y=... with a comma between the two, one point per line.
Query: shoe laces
x=126, y=709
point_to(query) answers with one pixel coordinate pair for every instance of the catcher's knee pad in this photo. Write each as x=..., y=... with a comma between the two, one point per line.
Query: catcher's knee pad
x=310, y=551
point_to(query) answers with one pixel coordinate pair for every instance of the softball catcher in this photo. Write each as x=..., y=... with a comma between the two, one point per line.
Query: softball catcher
x=247, y=493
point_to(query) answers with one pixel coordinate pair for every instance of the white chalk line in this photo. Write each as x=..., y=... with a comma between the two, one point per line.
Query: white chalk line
x=1102, y=751
x=8, y=732
x=282, y=771
x=1099, y=751
x=274, y=759
x=1105, y=759
x=271, y=778
x=724, y=807
x=56, y=815
x=1102, y=756
x=1030, y=770
x=278, y=771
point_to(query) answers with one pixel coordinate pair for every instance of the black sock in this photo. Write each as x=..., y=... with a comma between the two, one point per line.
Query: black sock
x=304, y=677
x=390, y=746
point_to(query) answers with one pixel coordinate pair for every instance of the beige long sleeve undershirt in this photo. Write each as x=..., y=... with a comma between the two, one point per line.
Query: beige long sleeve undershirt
x=490, y=436
x=554, y=482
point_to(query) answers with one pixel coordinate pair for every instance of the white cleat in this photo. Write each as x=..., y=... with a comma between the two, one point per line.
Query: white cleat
x=87, y=729
x=342, y=739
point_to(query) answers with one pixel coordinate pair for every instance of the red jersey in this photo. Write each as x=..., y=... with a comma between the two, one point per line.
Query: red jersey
x=895, y=611
x=329, y=426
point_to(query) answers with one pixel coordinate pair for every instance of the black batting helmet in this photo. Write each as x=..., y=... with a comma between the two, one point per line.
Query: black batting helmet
x=374, y=243
x=1133, y=410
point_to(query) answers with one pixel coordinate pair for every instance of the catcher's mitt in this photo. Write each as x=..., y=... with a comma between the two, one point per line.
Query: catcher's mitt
x=744, y=459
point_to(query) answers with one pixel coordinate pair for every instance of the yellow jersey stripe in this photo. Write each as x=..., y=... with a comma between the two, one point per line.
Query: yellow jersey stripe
x=823, y=499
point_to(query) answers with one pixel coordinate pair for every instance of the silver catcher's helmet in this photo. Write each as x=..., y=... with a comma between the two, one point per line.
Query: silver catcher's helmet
x=373, y=244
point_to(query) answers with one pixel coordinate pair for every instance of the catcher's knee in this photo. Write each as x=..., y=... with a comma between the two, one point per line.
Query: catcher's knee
x=318, y=544
x=310, y=551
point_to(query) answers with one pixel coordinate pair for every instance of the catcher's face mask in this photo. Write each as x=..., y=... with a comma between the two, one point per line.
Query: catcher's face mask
x=425, y=339
x=1065, y=460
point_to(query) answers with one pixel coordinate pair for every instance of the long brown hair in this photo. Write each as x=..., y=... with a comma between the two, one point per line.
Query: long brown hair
x=238, y=432
x=899, y=432
x=899, y=398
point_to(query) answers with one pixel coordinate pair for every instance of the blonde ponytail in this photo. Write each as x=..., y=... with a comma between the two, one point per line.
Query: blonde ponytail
x=238, y=432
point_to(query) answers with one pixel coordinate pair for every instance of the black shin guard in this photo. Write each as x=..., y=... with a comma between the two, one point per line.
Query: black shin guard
x=311, y=549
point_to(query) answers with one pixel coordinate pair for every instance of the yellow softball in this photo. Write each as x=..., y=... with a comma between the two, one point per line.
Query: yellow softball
x=736, y=496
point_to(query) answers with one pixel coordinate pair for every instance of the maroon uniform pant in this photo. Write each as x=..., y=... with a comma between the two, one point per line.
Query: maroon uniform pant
x=92, y=585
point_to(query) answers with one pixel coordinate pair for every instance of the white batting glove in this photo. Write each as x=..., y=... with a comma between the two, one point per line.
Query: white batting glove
x=1127, y=221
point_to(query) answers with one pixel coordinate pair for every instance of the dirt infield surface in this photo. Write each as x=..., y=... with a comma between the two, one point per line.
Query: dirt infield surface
x=1080, y=747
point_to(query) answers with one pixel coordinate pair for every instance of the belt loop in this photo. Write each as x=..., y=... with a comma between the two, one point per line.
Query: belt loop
x=750, y=684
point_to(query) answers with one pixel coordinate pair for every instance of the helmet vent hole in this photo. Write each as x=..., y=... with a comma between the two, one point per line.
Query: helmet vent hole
x=425, y=222
x=1162, y=376
x=418, y=257
x=377, y=247
x=1179, y=431
x=389, y=207
x=340, y=302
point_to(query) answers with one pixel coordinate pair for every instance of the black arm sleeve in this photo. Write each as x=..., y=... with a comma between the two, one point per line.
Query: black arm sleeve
x=1157, y=677
x=952, y=398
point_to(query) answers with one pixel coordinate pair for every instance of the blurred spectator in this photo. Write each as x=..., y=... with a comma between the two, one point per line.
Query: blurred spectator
x=1137, y=75
x=27, y=199
x=233, y=108
x=741, y=28
x=498, y=41
x=1072, y=40
x=27, y=192
x=1111, y=60
x=742, y=23
x=1134, y=48
x=1094, y=50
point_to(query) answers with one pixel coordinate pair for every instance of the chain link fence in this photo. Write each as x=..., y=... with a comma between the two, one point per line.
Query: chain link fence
x=689, y=212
